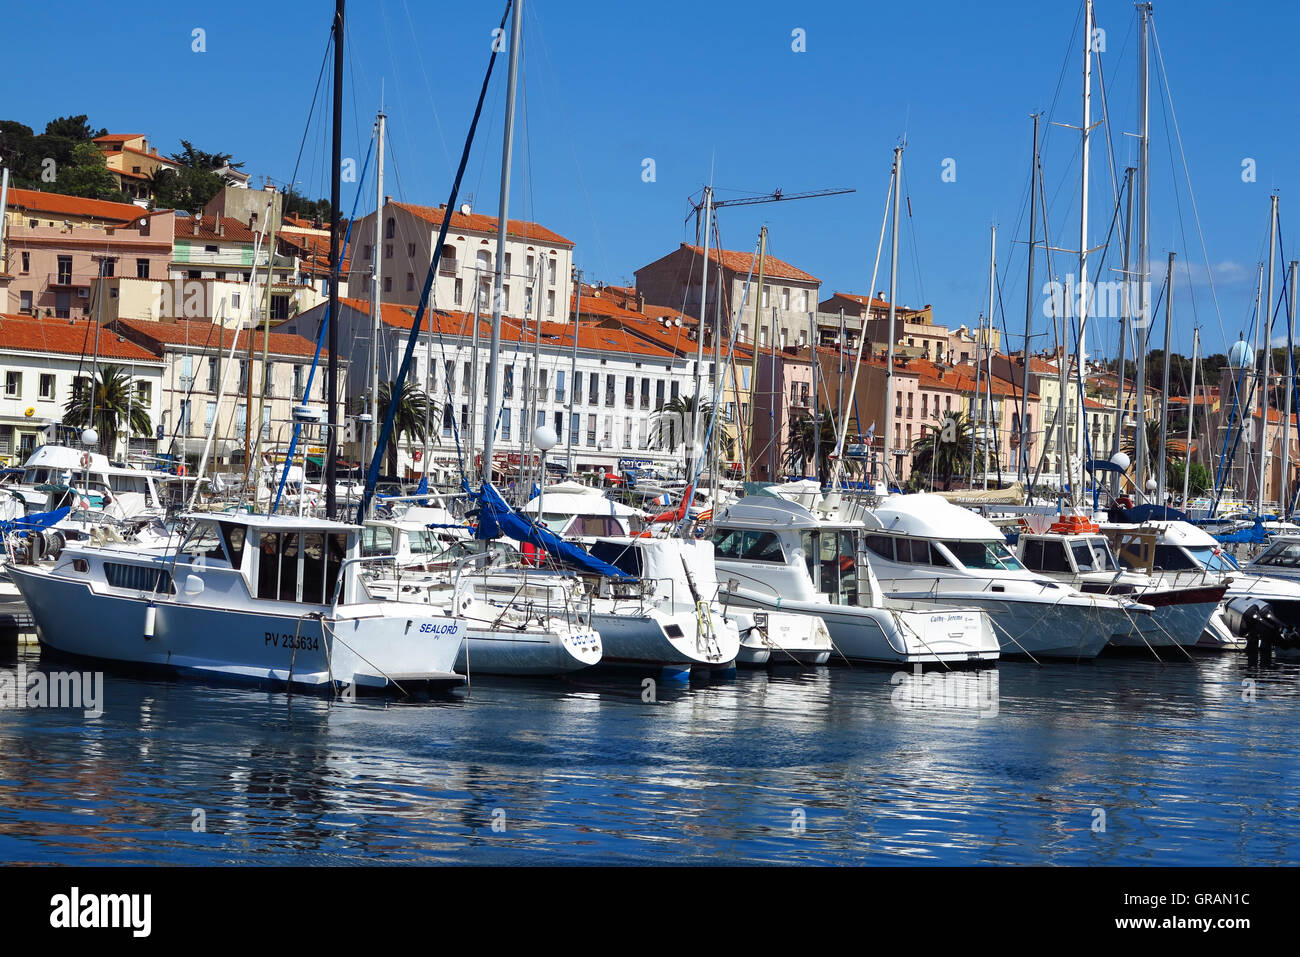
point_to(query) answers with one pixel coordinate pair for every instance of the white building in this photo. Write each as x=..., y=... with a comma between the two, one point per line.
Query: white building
x=620, y=384
x=538, y=261
x=198, y=387
x=40, y=360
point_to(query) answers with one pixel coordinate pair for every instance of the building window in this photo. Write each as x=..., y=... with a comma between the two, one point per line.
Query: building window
x=593, y=389
x=528, y=299
x=410, y=249
x=388, y=250
x=629, y=391
x=550, y=301
x=505, y=424
x=550, y=273
x=645, y=393
x=460, y=291
x=143, y=391
x=509, y=392
x=25, y=301
x=609, y=390
x=47, y=386
x=559, y=389
x=297, y=381
x=591, y=430
x=410, y=282
x=27, y=262
x=13, y=383
x=370, y=251
x=142, y=269
x=280, y=307
x=466, y=381
x=388, y=284
x=574, y=428
x=390, y=229
x=65, y=270
x=577, y=387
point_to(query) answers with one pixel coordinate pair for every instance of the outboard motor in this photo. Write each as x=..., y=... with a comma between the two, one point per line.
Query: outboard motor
x=1254, y=620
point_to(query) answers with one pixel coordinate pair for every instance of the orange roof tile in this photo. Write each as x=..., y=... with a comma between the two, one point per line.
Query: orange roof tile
x=480, y=223
x=67, y=336
x=201, y=334
x=740, y=262
x=59, y=204
x=234, y=230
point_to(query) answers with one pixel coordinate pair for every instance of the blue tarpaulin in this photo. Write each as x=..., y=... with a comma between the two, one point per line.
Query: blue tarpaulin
x=1254, y=535
x=1148, y=513
x=496, y=519
x=35, y=522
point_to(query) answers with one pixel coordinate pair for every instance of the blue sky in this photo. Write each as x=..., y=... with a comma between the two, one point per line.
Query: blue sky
x=716, y=90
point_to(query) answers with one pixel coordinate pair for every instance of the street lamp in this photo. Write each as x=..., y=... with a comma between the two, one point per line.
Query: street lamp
x=545, y=439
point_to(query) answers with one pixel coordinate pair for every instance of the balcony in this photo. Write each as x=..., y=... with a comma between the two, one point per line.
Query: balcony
x=559, y=394
x=447, y=267
x=66, y=280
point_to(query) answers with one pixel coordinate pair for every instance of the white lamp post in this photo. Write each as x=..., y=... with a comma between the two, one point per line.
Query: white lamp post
x=545, y=439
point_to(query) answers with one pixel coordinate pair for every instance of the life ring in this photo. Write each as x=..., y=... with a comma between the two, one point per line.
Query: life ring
x=85, y=460
x=181, y=470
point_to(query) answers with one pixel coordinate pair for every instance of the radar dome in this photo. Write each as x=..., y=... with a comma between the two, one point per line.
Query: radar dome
x=1240, y=355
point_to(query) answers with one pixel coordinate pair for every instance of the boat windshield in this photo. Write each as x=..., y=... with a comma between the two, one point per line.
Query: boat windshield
x=1093, y=555
x=1281, y=555
x=984, y=556
x=1213, y=559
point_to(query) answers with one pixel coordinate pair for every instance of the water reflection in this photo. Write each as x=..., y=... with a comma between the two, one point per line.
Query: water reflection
x=1190, y=763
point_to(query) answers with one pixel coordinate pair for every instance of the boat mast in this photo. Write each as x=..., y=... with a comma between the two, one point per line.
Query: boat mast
x=1266, y=373
x=1073, y=445
x=376, y=297
x=1191, y=412
x=503, y=225
x=1022, y=460
x=982, y=345
x=1288, y=410
x=1161, y=464
x=336, y=253
x=893, y=307
x=699, y=337
x=1143, y=318
x=753, y=363
x=573, y=364
x=1121, y=400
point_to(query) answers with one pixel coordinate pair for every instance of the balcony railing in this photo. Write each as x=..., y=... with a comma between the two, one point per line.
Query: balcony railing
x=68, y=280
x=446, y=267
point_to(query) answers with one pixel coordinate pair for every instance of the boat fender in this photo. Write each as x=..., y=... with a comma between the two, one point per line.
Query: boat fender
x=150, y=620
x=35, y=547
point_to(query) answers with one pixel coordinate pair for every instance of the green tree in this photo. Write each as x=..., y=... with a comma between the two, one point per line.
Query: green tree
x=944, y=450
x=418, y=417
x=804, y=444
x=1200, y=483
x=115, y=404
x=87, y=174
x=681, y=413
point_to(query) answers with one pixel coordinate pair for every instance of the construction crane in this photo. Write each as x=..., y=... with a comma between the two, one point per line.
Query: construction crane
x=777, y=196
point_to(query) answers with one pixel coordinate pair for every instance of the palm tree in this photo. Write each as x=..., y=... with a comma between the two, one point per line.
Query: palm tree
x=944, y=450
x=116, y=407
x=681, y=410
x=418, y=417
x=804, y=444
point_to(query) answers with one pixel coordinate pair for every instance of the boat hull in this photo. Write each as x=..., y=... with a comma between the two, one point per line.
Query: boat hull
x=555, y=651
x=370, y=646
x=654, y=638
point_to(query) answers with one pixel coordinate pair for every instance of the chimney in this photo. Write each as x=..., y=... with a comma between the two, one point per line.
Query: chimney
x=221, y=226
x=640, y=302
x=196, y=225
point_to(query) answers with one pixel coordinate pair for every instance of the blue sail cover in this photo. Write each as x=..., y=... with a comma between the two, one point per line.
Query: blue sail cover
x=496, y=519
x=1255, y=535
x=1149, y=513
x=35, y=522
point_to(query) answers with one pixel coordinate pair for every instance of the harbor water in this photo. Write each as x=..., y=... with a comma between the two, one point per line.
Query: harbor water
x=1117, y=761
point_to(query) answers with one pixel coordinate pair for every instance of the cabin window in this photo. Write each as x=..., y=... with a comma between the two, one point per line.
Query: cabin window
x=300, y=566
x=1093, y=555
x=204, y=544
x=749, y=546
x=984, y=556
x=837, y=557
x=918, y=553
x=234, y=535
x=376, y=541
x=1281, y=555
x=593, y=525
x=139, y=577
x=882, y=545
x=1172, y=558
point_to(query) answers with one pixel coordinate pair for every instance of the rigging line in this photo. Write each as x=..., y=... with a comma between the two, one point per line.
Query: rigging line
x=424, y=75
x=1187, y=176
x=911, y=228
x=1060, y=80
x=385, y=435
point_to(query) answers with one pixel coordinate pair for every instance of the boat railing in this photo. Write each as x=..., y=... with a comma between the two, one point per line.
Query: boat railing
x=346, y=567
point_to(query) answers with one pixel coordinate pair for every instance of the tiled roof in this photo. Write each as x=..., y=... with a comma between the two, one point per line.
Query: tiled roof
x=202, y=334
x=554, y=334
x=872, y=301
x=235, y=231
x=67, y=336
x=479, y=223
x=740, y=262
x=58, y=204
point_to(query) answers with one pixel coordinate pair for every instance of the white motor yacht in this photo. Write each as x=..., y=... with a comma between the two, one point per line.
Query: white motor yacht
x=932, y=553
x=779, y=556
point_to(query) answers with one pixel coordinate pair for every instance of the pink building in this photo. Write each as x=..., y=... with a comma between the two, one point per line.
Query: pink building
x=54, y=247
